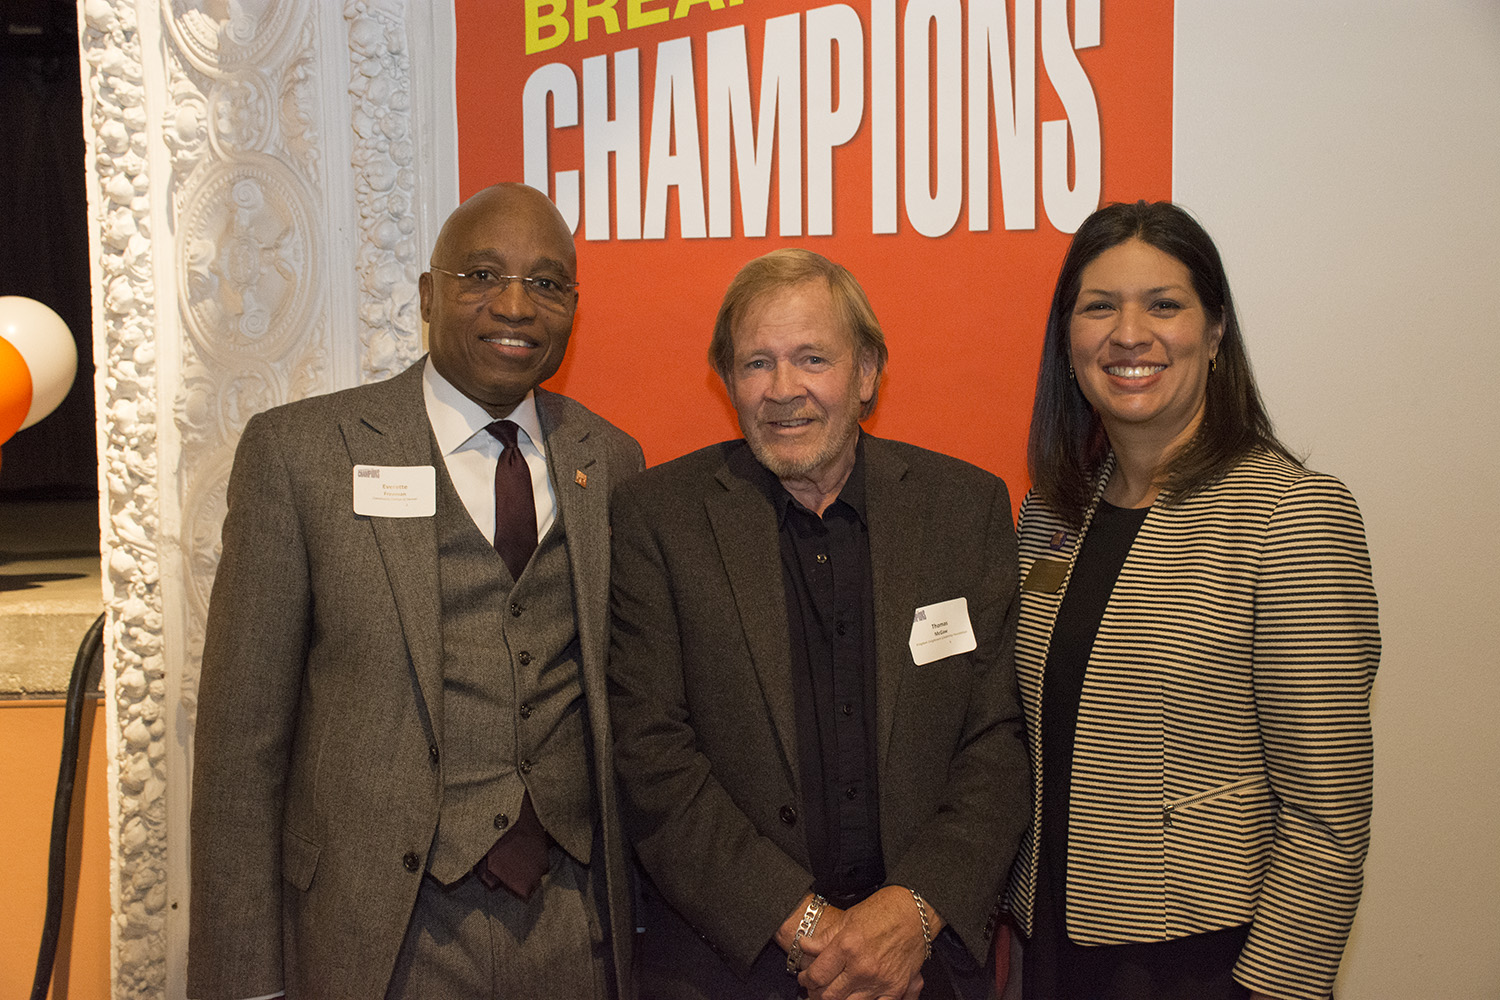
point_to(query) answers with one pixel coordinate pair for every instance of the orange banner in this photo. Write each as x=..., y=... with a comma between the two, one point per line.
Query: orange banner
x=941, y=150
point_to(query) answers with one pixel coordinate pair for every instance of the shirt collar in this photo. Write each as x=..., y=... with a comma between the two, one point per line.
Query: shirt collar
x=456, y=419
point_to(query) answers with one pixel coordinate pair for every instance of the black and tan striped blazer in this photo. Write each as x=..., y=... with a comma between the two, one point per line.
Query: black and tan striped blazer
x=1222, y=764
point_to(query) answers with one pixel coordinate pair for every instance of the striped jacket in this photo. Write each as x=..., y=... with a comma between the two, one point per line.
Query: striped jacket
x=1222, y=763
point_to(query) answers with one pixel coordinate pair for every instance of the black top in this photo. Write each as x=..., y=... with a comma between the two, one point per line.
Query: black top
x=830, y=604
x=1093, y=578
x=1197, y=967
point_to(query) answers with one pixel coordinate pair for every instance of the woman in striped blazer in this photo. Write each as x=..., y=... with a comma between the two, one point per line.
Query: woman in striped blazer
x=1196, y=647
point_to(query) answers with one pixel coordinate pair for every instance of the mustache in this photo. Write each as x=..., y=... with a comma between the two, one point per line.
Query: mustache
x=773, y=413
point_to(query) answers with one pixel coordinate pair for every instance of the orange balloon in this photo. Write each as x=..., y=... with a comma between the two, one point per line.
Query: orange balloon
x=46, y=347
x=15, y=389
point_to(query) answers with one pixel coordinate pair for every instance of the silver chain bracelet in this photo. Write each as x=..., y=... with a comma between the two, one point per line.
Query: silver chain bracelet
x=804, y=929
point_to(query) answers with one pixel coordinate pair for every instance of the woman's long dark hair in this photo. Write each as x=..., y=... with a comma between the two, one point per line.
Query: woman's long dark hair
x=1068, y=443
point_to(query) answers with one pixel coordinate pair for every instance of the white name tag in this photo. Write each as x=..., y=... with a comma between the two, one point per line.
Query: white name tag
x=395, y=490
x=940, y=630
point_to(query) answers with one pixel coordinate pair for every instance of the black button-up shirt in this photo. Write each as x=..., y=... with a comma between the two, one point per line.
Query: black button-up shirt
x=830, y=602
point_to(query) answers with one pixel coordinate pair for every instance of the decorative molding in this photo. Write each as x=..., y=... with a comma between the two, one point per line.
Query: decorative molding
x=384, y=158
x=248, y=251
x=125, y=312
x=225, y=39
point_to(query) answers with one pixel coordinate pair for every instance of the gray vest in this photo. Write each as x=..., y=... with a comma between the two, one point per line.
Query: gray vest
x=514, y=717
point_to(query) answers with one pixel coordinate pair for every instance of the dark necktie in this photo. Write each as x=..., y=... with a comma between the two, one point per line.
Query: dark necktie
x=515, y=507
x=518, y=860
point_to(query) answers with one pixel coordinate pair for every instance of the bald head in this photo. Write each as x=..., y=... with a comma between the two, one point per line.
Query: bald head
x=509, y=199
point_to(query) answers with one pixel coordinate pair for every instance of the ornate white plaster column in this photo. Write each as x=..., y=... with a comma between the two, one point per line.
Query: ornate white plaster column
x=265, y=180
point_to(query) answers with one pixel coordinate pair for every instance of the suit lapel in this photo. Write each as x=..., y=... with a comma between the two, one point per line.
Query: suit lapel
x=744, y=526
x=896, y=518
x=580, y=481
x=391, y=428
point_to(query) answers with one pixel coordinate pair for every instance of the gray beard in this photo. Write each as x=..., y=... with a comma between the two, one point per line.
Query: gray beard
x=796, y=469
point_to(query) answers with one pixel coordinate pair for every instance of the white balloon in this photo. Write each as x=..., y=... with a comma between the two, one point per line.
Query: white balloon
x=46, y=345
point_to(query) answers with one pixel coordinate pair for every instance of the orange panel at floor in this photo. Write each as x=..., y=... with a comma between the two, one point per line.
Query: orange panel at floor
x=30, y=751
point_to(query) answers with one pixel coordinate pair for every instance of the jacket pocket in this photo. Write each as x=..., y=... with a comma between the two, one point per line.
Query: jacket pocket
x=299, y=859
x=1174, y=807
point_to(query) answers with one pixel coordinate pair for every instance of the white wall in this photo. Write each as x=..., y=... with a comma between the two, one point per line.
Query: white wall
x=1346, y=157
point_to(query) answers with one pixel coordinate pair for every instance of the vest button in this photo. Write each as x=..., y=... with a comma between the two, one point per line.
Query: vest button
x=502, y=821
x=525, y=711
x=524, y=657
x=789, y=815
x=515, y=610
x=525, y=767
x=411, y=861
x=432, y=753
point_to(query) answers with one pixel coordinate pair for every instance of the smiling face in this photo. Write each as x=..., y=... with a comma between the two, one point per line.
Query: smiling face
x=1141, y=343
x=799, y=382
x=497, y=351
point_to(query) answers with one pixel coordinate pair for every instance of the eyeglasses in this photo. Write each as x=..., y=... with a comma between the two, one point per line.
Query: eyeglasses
x=483, y=285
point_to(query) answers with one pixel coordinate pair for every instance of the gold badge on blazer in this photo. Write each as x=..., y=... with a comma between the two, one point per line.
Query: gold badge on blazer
x=1046, y=576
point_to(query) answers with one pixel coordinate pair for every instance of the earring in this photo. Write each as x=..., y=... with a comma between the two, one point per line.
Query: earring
x=1213, y=365
x=1071, y=376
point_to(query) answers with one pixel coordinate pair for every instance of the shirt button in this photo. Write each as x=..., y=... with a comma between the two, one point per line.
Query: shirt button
x=822, y=558
x=847, y=708
x=525, y=767
x=841, y=628
x=502, y=821
x=411, y=862
x=524, y=657
x=789, y=815
x=851, y=793
x=525, y=711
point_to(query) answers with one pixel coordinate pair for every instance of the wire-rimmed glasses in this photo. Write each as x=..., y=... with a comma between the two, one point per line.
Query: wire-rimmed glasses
x=483, y=284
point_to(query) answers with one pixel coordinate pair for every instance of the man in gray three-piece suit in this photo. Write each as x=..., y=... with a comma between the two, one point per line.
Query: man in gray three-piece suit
x=402, y=778
x=817, y=730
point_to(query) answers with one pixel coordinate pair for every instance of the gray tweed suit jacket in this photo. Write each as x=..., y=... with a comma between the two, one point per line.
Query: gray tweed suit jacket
x=317, y=771
x=702, y=697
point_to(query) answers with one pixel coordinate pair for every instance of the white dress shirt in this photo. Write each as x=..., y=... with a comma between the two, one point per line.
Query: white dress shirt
x=470, y=452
